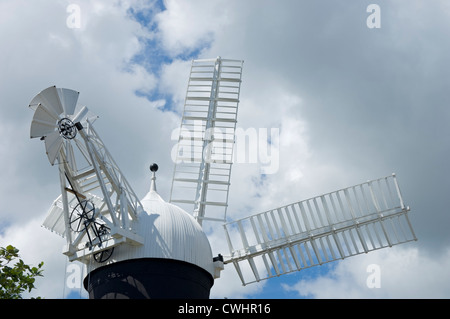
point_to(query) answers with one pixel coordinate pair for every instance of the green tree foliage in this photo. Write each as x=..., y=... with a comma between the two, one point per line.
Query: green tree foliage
x=18, y=278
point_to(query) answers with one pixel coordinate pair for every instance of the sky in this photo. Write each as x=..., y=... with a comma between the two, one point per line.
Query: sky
x=355, y=96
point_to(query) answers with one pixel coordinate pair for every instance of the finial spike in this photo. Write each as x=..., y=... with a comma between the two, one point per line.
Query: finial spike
x=153, y=169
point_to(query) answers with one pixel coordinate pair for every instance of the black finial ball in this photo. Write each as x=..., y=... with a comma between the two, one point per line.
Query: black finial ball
x=154, y=167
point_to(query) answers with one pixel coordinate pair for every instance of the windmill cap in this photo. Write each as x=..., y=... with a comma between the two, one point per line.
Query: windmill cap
x=172, y=233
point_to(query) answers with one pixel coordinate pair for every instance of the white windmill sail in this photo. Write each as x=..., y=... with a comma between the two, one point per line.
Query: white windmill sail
x=205, y=147
x=333, y=226
x=96, y=203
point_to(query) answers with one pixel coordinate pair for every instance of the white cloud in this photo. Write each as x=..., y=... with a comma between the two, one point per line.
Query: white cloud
x=173, y=82
x=404, y=273
x=187, y=25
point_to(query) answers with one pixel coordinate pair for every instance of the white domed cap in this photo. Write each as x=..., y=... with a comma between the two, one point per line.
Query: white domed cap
x=170, y=232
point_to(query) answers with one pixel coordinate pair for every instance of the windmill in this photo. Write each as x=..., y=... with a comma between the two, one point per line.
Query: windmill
x=150, y=248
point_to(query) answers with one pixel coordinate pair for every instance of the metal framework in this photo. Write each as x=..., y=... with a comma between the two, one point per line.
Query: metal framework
x=337, y=225
x=97, y=205
x=204, y=154
x=119, y=205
